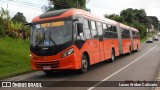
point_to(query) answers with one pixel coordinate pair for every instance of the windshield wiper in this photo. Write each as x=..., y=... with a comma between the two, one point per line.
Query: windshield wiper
x=50, y=39
x=41, y=40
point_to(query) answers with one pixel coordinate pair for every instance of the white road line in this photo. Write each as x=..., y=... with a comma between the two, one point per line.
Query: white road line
x=122, y=68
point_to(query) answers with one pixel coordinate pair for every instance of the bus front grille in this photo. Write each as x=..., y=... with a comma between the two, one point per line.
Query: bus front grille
x=53, y=64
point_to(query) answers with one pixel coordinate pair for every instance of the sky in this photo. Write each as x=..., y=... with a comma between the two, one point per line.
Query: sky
x=29, y=8
x=32, y=8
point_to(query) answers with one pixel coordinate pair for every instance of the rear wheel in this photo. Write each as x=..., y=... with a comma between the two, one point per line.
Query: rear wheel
x=48, y=72
x=137, y=48
x=84, y=65
x=112, y=57
x=130, y=50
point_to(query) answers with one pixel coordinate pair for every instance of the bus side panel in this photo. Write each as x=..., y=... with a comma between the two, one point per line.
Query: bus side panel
x=108, y=45
x=92, y=48
x=115, y=45
x=107, y=48
x=126, y=43
x=136, y=43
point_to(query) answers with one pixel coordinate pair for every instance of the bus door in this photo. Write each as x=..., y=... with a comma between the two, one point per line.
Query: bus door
x=101, y=42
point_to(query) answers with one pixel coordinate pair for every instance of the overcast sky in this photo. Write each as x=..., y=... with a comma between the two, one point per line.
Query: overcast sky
x=32, y=8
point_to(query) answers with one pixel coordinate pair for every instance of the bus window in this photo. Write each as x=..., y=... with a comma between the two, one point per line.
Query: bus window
x=86, y=29
x=87, y=33
x=126, y=34
x=104, y=27
x=109, y=28
x=86, y=24
x=94, y=31
x=110, y=34
x=93, y=25
x=94, y=34
x=105, y=32
x=123, y=33
x=99, y=28
x=114, y=28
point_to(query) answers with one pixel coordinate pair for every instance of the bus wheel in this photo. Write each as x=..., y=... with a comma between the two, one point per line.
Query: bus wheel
x=130, y=51
x=84, y=64
x=48, y=72
x=137, y=48
x=112, y=57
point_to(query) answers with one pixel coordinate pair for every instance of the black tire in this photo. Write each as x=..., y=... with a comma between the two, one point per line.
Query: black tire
x=137, y=48
x=112, y=57
x=48, y=72
x=130, y=50
x=84, y=65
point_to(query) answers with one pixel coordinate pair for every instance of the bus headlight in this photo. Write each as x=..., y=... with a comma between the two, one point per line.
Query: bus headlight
x=68, y=52
x=31, y=56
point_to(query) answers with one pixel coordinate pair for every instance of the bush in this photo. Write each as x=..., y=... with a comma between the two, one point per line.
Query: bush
x=2, y=33
x=12, y=34
x=142, y=30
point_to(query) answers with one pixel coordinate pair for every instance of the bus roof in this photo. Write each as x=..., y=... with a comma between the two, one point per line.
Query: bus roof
x=70, y=12
x=127, y=27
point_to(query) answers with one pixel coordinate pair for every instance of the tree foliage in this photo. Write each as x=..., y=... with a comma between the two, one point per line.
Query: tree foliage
x=65, y=4
x=12, y=27
x=19, y=17
x=135, y=18
x=115, y=17
x=153, y=20
x=1, y=32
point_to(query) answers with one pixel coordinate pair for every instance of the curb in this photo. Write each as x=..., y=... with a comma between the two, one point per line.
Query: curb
x=157, y=78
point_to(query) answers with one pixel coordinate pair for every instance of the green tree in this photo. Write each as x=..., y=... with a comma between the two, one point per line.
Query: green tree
x=135, y=18
x=154, y=21
x=134, y=15
x=12, y=27
x=127, y=15
x=4, y=18
x=115, y=17
x=65, y=4
x=19, y=17
x=2, y=34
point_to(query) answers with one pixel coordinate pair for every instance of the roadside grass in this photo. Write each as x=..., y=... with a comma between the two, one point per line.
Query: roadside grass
x=14, y=57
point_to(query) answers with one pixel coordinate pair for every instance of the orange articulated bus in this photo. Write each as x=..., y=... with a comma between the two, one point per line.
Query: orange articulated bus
x=73, y=39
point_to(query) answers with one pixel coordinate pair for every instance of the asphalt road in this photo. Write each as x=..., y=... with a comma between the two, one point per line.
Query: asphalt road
x=141, y=65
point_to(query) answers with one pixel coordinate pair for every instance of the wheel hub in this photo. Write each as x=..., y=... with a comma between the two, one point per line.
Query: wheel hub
x=84, y=63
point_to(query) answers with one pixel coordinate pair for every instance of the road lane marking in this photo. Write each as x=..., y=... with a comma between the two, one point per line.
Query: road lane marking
x=122, y=68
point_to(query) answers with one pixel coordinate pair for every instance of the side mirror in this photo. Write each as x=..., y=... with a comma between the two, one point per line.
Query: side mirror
x=79, y=28
x=29, y=24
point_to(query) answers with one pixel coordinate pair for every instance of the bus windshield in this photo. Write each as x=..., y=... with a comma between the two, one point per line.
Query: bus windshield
x=50, y=34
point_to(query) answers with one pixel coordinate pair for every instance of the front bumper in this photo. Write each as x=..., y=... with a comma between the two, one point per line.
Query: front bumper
x=70, y=62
